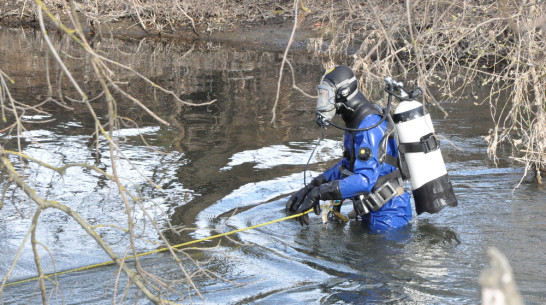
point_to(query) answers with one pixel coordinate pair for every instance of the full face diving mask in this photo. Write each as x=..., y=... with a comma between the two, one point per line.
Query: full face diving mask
x=326, y=105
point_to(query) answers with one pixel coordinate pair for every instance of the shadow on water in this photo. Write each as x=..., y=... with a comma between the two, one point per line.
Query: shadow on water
x=229, y=169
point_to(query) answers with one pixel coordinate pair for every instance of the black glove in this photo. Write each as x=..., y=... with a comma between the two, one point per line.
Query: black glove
x=311, y=201
x=328, y=191
x=296, y=199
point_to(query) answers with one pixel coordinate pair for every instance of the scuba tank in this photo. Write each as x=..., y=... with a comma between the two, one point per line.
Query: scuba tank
x=419, y=149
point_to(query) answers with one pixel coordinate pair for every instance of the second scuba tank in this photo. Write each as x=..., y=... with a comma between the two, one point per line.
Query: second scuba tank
x=419, y=146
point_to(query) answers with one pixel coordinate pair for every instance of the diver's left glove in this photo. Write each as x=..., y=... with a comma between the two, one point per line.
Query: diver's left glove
x=327, y=191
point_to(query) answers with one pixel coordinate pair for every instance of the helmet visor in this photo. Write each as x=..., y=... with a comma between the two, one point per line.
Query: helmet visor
x=326, y=108
x=325, y=100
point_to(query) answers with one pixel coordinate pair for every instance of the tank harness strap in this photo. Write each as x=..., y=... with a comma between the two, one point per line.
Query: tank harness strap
x=352, y=152
x=386, y=188
x=391, y=160
x=426, y=144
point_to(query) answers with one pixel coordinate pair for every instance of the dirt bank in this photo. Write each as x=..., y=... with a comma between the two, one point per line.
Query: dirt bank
x=271, y=30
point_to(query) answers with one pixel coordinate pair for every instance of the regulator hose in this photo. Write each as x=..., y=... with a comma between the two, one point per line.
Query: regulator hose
x=311, y=156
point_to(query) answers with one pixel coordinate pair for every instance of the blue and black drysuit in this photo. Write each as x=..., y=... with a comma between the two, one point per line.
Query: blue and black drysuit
x=365, y=172
x=357, y=173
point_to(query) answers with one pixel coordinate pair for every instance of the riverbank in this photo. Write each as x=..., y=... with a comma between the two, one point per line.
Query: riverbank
x=271, y=29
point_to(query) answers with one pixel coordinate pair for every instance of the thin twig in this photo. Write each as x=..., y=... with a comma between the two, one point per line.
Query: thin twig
x=290, y=41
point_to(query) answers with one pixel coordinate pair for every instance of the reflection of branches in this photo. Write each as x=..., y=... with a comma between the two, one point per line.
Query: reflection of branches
x=294, y=86
x=4, y=94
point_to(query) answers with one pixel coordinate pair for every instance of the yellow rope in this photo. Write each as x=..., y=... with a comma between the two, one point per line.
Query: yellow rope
x=159, y=250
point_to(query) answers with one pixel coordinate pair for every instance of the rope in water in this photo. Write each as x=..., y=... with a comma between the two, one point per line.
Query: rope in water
x=158, y=250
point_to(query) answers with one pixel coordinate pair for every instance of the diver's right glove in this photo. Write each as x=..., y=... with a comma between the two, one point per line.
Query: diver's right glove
x=295, y=200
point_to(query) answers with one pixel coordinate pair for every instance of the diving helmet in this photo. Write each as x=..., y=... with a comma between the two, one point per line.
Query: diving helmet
x=336, y=86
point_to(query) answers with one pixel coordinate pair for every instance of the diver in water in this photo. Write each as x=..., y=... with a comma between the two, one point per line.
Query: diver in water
x=368, y=174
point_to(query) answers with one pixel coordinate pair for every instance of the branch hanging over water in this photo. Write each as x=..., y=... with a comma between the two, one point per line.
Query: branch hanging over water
x=6, y=165
x=290, y=41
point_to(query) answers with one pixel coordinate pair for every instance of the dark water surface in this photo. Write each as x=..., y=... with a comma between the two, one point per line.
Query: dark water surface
x=228, y=168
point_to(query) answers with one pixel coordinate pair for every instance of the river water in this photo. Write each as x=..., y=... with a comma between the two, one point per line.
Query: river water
x=224, y=167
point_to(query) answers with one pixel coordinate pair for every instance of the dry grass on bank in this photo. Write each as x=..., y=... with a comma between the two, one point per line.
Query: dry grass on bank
x=162, y=16
x=456, y=46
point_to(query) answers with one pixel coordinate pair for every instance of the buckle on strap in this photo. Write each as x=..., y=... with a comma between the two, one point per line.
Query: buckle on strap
x=377, y=199
x=383, y=194
x=430, y=142
x=426, y=144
